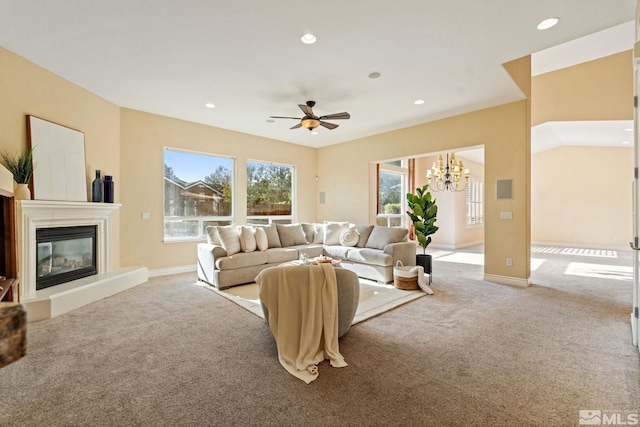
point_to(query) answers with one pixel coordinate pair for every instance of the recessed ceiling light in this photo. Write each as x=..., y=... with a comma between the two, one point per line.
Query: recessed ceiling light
x=374, y=75
x=314, y=132
x=419, y=101
x=308, y=38
x=548, y=23
x=629, y=130
x=209, y=105
x=625, y=142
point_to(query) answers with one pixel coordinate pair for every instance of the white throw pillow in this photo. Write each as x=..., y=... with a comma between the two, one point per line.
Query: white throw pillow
x=248, y=238
x=349, y=237
x=261, y=240
x=212, y=235
x=230, y=238
x=332, y=232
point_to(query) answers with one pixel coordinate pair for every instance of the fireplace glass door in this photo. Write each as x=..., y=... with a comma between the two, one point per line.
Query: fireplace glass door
x=64, y=254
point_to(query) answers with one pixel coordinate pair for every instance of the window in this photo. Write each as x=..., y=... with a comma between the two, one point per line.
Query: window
x=198, y=191
x=475, y=202
x=269, y=193
x=391, y=196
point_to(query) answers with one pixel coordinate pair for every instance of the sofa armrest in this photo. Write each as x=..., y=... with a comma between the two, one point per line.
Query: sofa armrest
x=207, y=256
x=402, y=251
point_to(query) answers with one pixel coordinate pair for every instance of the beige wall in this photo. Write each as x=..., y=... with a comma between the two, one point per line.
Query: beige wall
x=576, y=200
x=597, y=90
x=344, y=171
x=144, y=136
x=27, y=89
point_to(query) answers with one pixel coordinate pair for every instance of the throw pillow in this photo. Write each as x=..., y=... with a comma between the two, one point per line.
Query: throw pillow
x=365, y=232
x=248, y=238
x=261, y=240
x=308, y=230
x=349, y=237
x=212, y=235
x=382, y=236
x=230, y=239
x=291, y=235
x=318, y=233
x=272, y=235
x=332, y=232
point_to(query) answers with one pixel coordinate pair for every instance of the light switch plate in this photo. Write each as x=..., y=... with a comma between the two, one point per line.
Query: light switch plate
x=506, y=215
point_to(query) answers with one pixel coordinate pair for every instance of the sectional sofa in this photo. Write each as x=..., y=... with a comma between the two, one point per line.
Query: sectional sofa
x=234, y=255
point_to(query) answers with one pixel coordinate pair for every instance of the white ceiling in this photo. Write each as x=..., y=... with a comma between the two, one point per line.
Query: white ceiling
x=245, y=56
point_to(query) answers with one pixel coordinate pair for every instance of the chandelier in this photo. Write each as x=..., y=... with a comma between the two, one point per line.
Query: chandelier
x=447, y=175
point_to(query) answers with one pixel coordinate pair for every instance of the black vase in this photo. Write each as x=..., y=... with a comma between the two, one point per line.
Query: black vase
x=108, y=189
x=425, y=261
x=96, y=188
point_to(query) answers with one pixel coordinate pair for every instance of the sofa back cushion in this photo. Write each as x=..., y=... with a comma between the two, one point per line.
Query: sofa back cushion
x=318, y=233
x=272, y=235
x=212, y=235
x=308, y=230
x=365, y=232
x=261, y=240
x=332, y=231
x=229, y=238
x=291, y=235
x=382, y=236
x=248, y=238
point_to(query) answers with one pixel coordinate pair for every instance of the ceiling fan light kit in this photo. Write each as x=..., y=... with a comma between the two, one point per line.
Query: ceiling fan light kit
x=311, y=121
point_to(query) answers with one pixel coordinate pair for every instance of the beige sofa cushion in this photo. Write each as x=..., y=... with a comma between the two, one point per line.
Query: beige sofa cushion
x=291, y=235
x=212, y=235
x=308, y=230
x=365, y=232
x=248, y=238
x=383, y=236
x=230, y=239
x=261, y=239
x=272, y=235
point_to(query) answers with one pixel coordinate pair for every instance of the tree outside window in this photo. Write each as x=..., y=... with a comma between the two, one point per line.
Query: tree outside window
x=269, y=192
x=198, y=192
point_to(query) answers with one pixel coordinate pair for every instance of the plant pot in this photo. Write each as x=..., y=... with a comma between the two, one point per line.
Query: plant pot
x=22, y=192
x=425, y=261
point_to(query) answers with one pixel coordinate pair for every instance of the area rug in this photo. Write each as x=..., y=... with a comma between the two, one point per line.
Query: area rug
x=375, y=298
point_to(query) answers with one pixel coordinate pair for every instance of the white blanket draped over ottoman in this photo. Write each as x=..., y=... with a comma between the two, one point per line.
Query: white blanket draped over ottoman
x=303, y=317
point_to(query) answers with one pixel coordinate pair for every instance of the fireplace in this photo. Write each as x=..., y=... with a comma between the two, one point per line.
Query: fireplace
x=64, y=254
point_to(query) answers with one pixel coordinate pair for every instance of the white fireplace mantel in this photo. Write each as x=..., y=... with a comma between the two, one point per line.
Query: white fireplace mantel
x=34, y=214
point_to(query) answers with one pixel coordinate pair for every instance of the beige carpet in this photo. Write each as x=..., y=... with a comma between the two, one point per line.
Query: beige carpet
x=375, y=298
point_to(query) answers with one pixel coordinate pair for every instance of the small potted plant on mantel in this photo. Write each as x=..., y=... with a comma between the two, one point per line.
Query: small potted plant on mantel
x=21, y=167
x=423, y=215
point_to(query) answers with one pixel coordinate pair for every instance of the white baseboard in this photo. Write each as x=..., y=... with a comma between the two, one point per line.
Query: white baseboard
x=582, y=246
x=172, y=270
x=506, y=280
x=455, y=247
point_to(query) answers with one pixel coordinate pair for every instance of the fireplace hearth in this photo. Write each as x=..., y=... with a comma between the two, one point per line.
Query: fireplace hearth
x=64, y=254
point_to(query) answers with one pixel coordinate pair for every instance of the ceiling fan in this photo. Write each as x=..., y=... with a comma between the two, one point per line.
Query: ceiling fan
x=311, y=121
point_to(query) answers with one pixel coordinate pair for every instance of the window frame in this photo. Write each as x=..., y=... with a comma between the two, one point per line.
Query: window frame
x=272, y=219
x=202, y=221
x=472, y=205
x=394, y=220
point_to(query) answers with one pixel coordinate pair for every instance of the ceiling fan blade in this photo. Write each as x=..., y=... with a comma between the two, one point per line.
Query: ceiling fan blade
x=299, y=125
x=329, y=126
x=306, y=110
x=279, y=117
x=336, y=116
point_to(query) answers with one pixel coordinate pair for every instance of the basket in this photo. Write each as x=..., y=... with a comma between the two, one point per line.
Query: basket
x=406, y=283
x=405, y=278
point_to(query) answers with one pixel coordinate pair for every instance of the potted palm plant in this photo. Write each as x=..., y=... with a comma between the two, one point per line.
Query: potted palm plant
x=423, y=215
x=21, y=167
